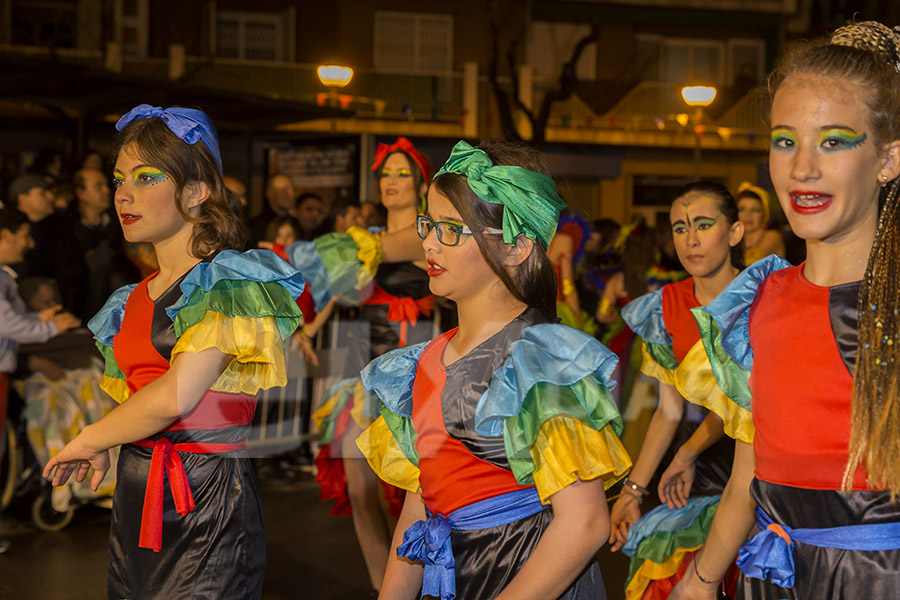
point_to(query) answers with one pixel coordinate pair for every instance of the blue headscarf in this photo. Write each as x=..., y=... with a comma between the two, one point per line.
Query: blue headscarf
x=188, y=124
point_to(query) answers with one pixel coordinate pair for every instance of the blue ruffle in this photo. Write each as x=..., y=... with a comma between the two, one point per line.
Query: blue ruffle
x=107, y=322
x=262, y=266
x=305, y=257
x=644, y=315
x=664, y=519
x=546, y=353
x=391, y=377
x=731, y=308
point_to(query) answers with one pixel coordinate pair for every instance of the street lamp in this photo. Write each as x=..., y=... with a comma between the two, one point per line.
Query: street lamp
x=698, y=96
x=334, y=77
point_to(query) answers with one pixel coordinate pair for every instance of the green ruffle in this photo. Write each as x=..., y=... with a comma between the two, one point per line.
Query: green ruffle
x=733, y=380
x=657, y=547
x=111, y=369
x=404, y=432
x=241, y=298
x=338, y=252
x=329, y=422
x=663, y=355
x=587, y=400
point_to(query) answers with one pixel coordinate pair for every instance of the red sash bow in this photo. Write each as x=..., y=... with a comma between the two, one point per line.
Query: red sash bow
x=165, y=462
x=404, y=310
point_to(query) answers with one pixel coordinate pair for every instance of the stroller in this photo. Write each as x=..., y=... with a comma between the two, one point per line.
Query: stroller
x=47, y=415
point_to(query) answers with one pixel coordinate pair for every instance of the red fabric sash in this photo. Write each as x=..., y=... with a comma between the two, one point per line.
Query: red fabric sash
x=404, y=310
x=165, y=461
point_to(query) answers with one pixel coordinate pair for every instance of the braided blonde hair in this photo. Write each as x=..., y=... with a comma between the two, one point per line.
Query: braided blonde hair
x=868, y=54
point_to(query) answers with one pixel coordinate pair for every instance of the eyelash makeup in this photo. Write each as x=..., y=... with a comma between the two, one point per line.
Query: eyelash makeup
x=782, y=135
x=148, y=176
x=848, y=139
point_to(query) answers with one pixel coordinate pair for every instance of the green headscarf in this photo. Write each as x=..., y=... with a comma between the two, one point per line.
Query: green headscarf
x=530, y=200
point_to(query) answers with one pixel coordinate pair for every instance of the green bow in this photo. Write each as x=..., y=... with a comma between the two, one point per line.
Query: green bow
x=530, y=200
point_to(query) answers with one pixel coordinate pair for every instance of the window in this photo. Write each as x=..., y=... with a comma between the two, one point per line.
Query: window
x=413, y=42
x=131, y=17
x=43, y=23
x=685, y=60
x=746, y=61
x=249, y=35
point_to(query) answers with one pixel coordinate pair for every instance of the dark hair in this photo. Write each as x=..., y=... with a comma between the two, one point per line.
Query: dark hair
x=727, y=206
x=418, y=176
x=641, y=251
x=340, y=206
x=276, y=223
x=12, y=220
x=218, y=225
x=308, y=196
x=867, y=55
x=534, y=281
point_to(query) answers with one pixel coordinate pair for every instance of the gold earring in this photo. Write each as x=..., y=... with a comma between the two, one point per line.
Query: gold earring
x=883, y=180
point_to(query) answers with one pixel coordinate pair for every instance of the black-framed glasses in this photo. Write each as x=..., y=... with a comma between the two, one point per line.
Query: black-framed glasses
x=448, y=232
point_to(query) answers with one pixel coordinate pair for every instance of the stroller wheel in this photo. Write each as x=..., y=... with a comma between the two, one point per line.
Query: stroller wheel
x=46, y=517
x=9, y=464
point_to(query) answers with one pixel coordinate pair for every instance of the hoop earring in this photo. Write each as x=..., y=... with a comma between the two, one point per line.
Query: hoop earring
x=422, y=202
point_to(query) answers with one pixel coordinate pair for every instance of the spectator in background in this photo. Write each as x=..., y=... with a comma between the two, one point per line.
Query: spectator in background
x=30, y=194
x=311, y=216
x=48, y=162
x=280, y=202
x=374, y=215
x=283, y=231
x=345, y=213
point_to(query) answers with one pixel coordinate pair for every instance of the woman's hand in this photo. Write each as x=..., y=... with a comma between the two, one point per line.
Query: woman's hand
x=300, y=341
x=675, y=483
x=622, y=516
x=691, y=588
x=78, y=458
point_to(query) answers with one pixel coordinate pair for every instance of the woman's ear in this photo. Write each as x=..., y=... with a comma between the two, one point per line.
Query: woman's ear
x=890, y=169
x=520, y=251
x=194, y=194
x=735, y=234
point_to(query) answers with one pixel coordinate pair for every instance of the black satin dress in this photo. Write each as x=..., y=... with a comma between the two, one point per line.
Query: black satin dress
x=218, y=550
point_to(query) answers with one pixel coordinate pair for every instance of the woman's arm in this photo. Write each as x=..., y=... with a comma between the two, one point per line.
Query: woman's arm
x=151, y=409
x=580, y=526
x=675, y=483
x=606, y=310
x=403, y=578
x=401, y=246
x=659, y=435
x=560, y=252
x=730, y=528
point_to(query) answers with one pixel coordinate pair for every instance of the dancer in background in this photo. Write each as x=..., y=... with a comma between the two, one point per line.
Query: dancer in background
x=707, y=235
x=502, y=431
x=187, y=350
x=753, y=207
x=817, y=346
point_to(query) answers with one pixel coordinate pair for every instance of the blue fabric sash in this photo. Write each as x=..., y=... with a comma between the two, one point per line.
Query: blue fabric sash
x=770, y=554
x=428, y=541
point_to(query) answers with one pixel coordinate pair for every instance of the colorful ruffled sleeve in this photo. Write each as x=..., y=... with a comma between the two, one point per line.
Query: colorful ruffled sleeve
x=644, y=315
x=242, y=304
x=337, y=264
x=724, y=327
x=389, y=443
x=105, y=325
x=550, y=401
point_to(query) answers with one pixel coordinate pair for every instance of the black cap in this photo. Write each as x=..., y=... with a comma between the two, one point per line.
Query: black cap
x=25, y=183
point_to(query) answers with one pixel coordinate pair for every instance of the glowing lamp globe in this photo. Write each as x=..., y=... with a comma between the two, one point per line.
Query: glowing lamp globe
x=334, y=75
x=698, y=95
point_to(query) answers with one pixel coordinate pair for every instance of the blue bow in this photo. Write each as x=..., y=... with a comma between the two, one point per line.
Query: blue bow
x=769, y=554
x=188, y=124
x=428, y=542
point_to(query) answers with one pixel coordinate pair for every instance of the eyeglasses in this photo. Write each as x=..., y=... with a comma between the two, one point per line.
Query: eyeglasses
x=448, y=232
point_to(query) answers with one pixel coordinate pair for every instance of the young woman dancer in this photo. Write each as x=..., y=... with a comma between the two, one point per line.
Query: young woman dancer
x=186, y=350
x=386, y=273
x=707, y=235
x=492, y=422
x=753, y=208
x=819, y=342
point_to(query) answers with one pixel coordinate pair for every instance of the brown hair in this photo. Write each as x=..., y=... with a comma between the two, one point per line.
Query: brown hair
x=866, y=54
x=217, y=224
x=726, y=204
x=534, y=281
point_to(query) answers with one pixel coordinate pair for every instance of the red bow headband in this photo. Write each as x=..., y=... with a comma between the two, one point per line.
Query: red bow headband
x=403, y=145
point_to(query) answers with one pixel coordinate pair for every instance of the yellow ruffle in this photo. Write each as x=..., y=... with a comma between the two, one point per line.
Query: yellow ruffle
x=257, y=347
x=695, y=381
x=369, y=254
x=115, y=387
x=566, y=448
x=328, y=406
x=378, y=445
x=359, y=403
x=654, y=369
x=650, y=571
